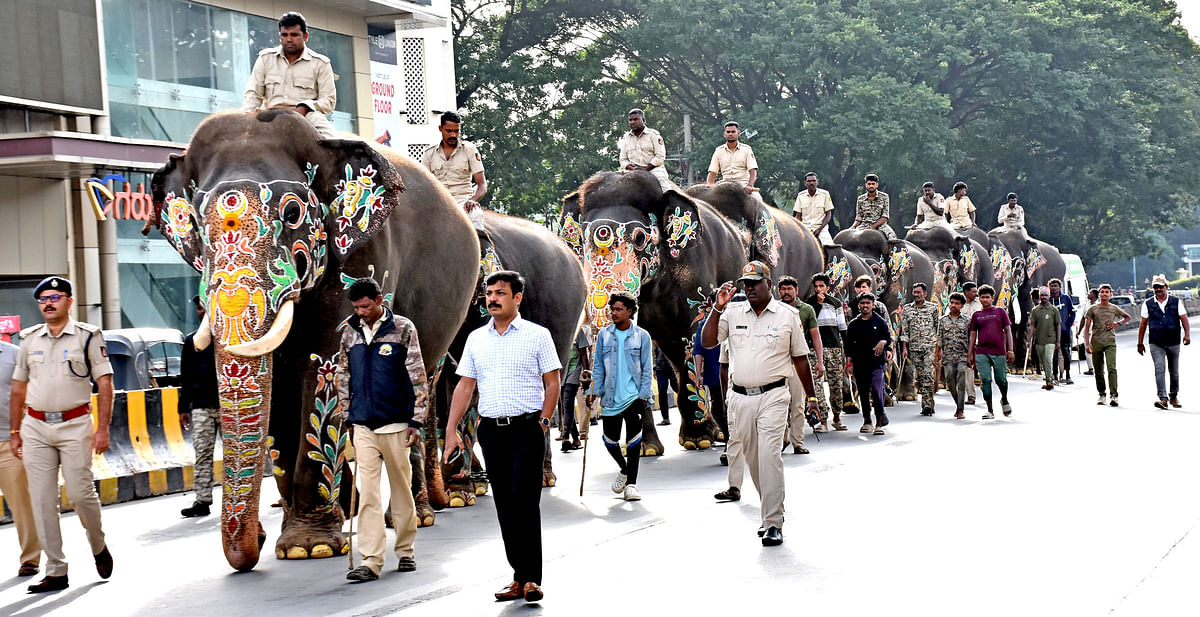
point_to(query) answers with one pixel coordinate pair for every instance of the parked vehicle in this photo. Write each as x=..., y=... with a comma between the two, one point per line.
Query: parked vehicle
x=144, y=358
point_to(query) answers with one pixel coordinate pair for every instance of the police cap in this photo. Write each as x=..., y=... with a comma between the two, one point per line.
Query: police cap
x=52, y=283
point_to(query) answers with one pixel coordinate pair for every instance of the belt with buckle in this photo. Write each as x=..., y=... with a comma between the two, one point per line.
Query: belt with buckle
x=507, y=420
x=756, y=390
x=58, y=417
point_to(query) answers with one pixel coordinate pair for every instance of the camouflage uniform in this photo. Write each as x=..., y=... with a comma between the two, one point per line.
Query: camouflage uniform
x=952, y=341
x=206, y=424
x=918, y=328
x=868, y=210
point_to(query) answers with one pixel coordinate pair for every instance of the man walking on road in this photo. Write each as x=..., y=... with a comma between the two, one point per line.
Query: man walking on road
x=456, y=163
x=622, y=380
x=952, y=341
x=1164, y=316
x=766, y=346
x=788, y=288
x=293, y=76
x=867, y=341
x=1100, y=325
x=515, y=366
x=13, y=481
x=1044, y=334
x=642, y=148
x=831, y=325
x=381, y=381
x=991, y=349
x=873, y=209
x=579, y=370
x=200, y=405
x=52, y=385
x=918, y=338
x=1066, y=313
x=814, y=209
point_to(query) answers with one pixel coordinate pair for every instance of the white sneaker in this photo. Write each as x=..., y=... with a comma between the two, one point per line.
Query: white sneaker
x=618, y=484
x=631, y=493
x=1101, y=401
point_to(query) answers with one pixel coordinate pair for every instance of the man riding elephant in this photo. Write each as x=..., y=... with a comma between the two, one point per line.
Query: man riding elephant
x=670, y=250
x=279, y=222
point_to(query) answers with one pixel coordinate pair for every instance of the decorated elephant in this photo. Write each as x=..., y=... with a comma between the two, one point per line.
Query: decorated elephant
x=671, y=250
x=956, y=260
x=279, y=222
x=842, y=267
x=553, y=297
x=1034, y=263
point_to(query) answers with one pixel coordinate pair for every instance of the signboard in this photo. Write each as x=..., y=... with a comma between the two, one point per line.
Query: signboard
x=9, y=325
x=387, y=91
x=1191, y=253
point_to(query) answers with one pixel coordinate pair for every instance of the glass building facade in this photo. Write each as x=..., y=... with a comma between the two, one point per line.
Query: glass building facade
x=171, y=63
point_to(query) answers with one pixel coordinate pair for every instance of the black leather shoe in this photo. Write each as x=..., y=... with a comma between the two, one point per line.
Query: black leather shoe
x=361, y=574
x=732, y=493
x=773, y=537
x=104, y=563
x=50, y=583
x=198, y=508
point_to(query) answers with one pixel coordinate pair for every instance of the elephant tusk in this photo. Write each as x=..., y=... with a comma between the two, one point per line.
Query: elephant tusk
x=273, y=338
x=203, y=337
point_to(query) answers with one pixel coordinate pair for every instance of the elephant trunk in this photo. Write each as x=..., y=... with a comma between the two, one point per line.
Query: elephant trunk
x=245, y=391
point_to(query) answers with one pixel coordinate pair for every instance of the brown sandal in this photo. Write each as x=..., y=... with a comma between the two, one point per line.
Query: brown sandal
x=28, y=568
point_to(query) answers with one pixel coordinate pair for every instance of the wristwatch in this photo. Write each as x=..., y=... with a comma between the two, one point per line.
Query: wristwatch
x=545, y=422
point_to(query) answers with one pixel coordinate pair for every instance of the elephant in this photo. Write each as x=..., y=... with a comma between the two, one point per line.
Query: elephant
x=955, y=262
x=554, y=297
x=279, y=222
x=1034, y=263
x=670, y=250
x=897, y=265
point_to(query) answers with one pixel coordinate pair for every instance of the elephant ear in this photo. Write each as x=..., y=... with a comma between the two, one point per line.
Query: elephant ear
x=679, y=222
x=361, y=186
x=173, y=213
x=570, y=228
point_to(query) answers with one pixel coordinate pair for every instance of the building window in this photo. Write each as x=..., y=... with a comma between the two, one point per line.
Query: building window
x=172, y=63
x=415, y=151
x=414, y=80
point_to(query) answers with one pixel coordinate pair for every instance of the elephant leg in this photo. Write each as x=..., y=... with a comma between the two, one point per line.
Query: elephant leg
x=460, y=487
x=697, y=427
x=313, y=514
x=907, y=390
x=420, y=489
x=548, y=477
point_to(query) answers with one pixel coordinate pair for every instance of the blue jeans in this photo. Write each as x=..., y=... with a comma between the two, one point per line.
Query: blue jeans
x=1166, y=358
x=992, y=367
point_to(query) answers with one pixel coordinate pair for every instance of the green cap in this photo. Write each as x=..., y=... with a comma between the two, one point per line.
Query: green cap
x=755, y=271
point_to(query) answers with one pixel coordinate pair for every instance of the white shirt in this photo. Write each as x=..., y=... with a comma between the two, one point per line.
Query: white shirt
x=1005, y=210
x=1162, y=306
x=508, y=368
x=932, y=219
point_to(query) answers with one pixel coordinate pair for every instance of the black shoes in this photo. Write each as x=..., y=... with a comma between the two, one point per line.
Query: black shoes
x=361, y=574
x=407, y=564
x=772, y=537
x=104, y=564
x=50, y=583
x=732, y=493
x=198, y=508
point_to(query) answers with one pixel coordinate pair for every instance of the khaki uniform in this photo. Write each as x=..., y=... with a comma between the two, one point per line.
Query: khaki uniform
x=960, y=212
x=811, y=209
x=456, y=172
x=760, y=350
x=58, y=381
x=645, y=149
x=734, y=165
x=13, y=482
x=932, y=219
x=868, y=210
x=274, y=82
x=918, y=328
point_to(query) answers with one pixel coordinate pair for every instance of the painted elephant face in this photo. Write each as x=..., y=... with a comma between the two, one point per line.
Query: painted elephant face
x=623, y=247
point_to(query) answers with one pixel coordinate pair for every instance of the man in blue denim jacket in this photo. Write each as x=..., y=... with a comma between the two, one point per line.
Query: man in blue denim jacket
x=621, y=377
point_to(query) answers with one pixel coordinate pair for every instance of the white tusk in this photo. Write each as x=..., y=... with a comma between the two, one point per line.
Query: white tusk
x=203, y=337
x=273, y=338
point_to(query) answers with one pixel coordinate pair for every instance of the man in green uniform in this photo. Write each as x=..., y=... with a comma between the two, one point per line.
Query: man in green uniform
x=1047, y=323
x=788, y=289
x=918, y=338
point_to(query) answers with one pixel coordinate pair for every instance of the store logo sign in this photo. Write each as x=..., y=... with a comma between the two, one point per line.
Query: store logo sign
x=381, y=40
x=124, y=204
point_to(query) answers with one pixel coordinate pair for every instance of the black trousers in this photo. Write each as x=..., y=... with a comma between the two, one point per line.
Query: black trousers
x=1064, y=344
x=566, y=407
x=514, y=455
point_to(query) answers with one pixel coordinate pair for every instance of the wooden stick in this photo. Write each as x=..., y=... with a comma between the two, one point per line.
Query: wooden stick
x=586, y=422
x=353, y=508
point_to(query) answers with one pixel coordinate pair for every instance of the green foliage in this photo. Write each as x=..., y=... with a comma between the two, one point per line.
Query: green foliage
x=1088, y=109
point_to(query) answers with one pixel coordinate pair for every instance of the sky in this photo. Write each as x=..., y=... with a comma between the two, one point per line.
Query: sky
x=1190, y=17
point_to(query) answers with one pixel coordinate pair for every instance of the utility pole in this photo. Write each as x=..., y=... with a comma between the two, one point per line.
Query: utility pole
x=687, y=148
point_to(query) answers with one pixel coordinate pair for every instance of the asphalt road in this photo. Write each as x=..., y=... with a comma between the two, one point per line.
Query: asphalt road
x=1065, y=508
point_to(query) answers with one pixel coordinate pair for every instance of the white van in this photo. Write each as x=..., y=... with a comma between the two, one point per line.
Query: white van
x=1077, y=285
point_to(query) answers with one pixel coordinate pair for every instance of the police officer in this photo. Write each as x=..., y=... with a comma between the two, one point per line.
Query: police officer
x=13, y=482
x=52, y=383
x=642, y=148
x=456, y=163
x=292, y=76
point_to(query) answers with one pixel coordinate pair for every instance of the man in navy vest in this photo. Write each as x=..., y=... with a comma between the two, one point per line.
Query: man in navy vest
x=1163, y=316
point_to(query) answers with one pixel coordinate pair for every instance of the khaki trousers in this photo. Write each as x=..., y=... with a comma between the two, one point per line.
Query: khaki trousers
x=373, y=451
x=45, y=447
x=759, y=423
x=16, y=495
x=796, y=408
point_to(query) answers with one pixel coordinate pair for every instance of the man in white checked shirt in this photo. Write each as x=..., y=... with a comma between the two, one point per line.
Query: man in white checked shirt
x=515, y=366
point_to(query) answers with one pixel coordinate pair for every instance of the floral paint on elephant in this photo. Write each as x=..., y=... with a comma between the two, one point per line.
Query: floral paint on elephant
x=324, y=433
x=968, y=260
x=1033, y=261
x=944, y=283
x=766, y=238
x=681, y=230
x=241, y=398
x=620, y=257
x=696, y=392
x=572, y=234
x=1002, y=265
x=839, y=273
x=357, y=196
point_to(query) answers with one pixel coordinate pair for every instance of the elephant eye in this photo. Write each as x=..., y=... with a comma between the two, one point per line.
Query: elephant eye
x=291, y=214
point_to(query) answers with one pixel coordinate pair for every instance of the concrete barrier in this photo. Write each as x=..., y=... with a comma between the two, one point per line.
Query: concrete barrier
x=149, y=453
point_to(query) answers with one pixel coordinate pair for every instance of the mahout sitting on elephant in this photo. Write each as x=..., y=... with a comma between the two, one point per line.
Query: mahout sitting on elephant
x=278, y=222
x=671, y=250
